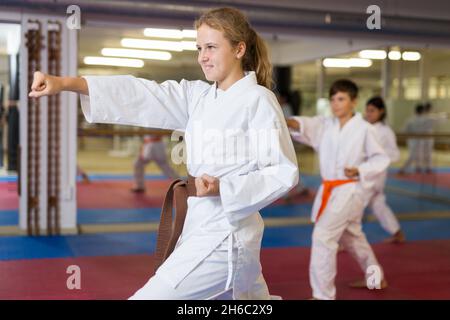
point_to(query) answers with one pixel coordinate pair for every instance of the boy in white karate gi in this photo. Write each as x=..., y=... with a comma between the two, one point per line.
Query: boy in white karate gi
x=351, y=160
x=376, y=115
x=238, y=149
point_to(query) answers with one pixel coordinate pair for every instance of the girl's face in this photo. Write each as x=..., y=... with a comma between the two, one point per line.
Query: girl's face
x=373, y=114
x=220, y=62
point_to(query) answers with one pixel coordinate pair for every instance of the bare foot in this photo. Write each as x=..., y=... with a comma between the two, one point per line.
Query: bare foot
x=398, y=237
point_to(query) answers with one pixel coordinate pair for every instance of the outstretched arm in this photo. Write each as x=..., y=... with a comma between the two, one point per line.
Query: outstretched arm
x=127, y=100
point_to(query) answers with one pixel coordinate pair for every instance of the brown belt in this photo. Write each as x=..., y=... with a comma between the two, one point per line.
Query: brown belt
x=168, y=232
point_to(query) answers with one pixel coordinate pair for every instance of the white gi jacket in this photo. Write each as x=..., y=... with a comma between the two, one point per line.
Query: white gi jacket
x=355, y=145
x=247, y=183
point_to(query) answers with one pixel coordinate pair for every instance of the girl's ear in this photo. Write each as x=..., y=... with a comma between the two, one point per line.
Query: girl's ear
x=241, y=47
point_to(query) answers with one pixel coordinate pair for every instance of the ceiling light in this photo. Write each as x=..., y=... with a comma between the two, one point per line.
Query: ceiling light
x=346, y=63
x=373, y=54
x=117, y=62
x=151, y=44
x=189, y=45
x=360, y=63
x=394, y=55
x=140, y=54
x=169, y=33
x=411, y=56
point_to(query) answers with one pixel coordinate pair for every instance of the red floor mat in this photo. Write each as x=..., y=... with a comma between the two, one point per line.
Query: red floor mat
x=9, y=199
x=415, y=270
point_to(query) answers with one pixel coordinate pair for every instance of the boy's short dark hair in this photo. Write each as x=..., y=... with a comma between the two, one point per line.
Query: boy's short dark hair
x=344, y=85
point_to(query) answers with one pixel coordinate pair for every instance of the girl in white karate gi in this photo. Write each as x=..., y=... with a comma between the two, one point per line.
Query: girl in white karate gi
x=237, y=146
x=351, y=161
x=376, y=115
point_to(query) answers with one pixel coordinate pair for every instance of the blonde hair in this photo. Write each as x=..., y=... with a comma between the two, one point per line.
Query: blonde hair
x=236, y=28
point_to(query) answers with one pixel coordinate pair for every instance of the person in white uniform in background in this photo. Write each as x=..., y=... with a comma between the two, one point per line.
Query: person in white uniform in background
x=429, y=124
x=351, y=162
x=415, y=125
x=153, y=149
x=376, y=115
x=218, y=253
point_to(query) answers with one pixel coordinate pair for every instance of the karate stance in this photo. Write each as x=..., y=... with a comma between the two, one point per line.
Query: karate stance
x=376, y=115
x=218, y=253
x=153, y=149
x=351, y=161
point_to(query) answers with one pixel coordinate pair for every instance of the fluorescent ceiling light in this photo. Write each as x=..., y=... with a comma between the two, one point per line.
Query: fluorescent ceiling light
x=336, y=63
x=152, y=44
x=189, y=33
x=373, y=54
x=169, y=33
x=140, y=54
x=346, y=63
x=411, y=56
x=394, y=55
x=361, y=63
x=117, y=62
x=189, y=45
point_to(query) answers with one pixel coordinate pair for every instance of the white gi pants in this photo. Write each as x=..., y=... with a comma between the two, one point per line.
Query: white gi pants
x=334, y=227
x=207, y=281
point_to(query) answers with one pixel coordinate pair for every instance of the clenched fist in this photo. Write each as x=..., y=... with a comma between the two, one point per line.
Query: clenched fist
x=45, y=85
x=207, y=186
x=351, y=172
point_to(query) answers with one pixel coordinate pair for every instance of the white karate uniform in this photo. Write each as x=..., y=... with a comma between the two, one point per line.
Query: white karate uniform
x=355, y=145
x=219, y=248
x=430, y=120
x=377, y=202
x=152, y=151
x=416, y=146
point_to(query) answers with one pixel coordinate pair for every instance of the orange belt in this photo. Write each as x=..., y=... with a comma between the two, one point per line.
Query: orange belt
x=328, y=186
